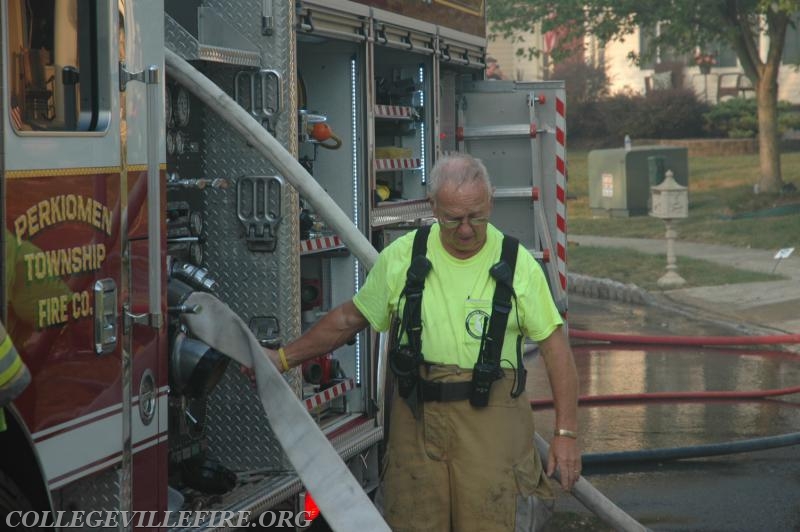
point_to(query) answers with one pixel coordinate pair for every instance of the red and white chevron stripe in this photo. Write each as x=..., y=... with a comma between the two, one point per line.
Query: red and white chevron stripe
x=561, y=189
x=397, y=164
x=329, y=394
x=393, y=111
x=314, y=245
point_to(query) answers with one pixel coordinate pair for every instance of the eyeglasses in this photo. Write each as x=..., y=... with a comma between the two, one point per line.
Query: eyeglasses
x=452, y=224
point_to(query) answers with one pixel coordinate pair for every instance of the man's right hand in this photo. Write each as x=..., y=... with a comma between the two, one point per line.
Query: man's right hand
x=273, y=357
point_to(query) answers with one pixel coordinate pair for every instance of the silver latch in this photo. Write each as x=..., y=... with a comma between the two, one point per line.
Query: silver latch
x=252, y=87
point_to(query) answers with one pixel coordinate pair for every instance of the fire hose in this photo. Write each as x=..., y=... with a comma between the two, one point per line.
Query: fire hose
x=691, y=451
x=347, y=507
x=674, y=396
x=685, y=340
x=590, y=497
x=695, y=451
x=316, y=461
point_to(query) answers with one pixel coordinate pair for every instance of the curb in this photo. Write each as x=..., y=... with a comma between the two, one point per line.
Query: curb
x=599, y=288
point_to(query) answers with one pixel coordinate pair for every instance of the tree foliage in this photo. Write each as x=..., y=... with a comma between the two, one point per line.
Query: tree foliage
x=684, y=26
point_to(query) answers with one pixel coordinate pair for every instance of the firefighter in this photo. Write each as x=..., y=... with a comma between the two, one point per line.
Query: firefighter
x=460, y=452
x=14, y=374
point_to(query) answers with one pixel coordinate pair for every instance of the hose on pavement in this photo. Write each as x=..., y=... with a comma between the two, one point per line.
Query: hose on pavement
x=592, y=499
x=685, y=340
x=675, y=396
x=692, y=451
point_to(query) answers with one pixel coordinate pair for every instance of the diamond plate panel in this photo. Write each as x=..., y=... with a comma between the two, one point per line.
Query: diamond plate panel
x=177, y=39
x=98, y=492
x=183, y=43
x=245, y=17
x=253, y=284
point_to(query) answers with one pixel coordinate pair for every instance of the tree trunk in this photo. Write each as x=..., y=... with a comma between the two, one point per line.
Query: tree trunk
x=768, y=143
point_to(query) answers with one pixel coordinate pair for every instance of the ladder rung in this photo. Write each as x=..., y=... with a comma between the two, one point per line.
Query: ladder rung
x=513, y=192
x=513, y=130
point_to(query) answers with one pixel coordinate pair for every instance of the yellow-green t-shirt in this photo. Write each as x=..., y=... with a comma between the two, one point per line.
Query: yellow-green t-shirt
x=457, y=297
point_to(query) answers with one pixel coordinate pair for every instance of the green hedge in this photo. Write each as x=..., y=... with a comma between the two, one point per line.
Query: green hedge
x=601, y=118
x=738, y=118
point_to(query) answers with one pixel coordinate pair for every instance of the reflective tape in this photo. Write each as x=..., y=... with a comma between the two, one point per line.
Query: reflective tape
x=14, y=375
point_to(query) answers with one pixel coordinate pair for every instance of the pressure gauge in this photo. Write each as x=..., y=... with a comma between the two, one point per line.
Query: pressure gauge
x=180, y=142
x=196, y=253
x=170, y=142
x=182, y=108
x=196, y=223
x=168, y=106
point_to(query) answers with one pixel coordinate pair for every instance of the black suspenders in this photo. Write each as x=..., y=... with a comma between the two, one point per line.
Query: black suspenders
x=503, y=273
x=487, y=368
x=404, y=359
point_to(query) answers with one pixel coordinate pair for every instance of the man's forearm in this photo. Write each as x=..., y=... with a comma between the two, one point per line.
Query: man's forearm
x=563, y=379
x=333, y=330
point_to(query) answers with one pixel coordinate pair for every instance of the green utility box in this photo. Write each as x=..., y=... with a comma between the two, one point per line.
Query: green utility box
x=620, y=180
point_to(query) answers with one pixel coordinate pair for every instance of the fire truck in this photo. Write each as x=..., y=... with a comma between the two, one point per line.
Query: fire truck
x=128, y=185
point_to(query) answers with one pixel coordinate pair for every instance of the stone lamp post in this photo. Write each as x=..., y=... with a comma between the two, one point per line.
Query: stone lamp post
x=670, y=201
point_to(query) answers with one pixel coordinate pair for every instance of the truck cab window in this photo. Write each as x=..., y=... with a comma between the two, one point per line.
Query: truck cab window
x=56, y=72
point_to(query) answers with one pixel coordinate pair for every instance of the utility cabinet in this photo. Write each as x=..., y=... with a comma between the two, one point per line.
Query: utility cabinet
x=620, y=180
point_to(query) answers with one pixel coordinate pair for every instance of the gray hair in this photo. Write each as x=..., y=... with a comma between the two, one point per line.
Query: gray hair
x=458, y=169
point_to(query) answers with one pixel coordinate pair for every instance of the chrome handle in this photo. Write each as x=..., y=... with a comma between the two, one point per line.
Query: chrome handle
x=154, y=121
x=105, y=316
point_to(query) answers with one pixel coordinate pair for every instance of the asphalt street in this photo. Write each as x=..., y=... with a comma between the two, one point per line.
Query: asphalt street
x=755, y=491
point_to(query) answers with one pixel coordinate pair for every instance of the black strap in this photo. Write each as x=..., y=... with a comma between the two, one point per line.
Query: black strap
x=415, y=283
x=503, y=273
x=445, y=391
x=421, y=241
x=404, y=359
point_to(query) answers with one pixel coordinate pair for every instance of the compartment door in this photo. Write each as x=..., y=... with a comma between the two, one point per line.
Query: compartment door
x=63, y=240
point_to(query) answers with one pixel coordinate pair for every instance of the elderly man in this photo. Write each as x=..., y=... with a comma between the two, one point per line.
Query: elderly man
x=460, y=455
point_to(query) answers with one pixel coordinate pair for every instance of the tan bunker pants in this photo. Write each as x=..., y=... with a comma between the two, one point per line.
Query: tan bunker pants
x=462, y=469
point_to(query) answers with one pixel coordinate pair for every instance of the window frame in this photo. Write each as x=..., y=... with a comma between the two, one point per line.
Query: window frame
x=94, y=43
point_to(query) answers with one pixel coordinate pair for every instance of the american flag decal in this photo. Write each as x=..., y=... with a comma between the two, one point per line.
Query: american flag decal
x=16, y=117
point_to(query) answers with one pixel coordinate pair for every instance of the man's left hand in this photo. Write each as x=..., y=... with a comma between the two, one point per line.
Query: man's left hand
x=564, y=457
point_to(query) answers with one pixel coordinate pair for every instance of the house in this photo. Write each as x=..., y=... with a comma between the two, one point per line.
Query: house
x=724, y=78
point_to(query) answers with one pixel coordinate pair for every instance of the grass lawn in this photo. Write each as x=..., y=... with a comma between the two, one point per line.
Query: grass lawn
x=644, y=270
x=722, y=210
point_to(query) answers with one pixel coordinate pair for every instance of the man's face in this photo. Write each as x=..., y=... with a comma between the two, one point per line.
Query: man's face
x=463, y=212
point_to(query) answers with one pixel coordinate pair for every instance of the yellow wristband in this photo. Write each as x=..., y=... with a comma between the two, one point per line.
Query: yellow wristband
x=568, y=433
x=284, y=362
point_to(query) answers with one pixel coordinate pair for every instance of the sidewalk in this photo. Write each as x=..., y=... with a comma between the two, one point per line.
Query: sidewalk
x=770, y=306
